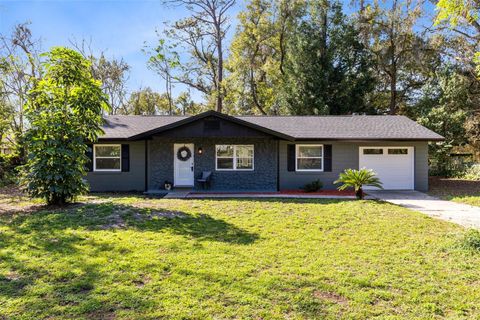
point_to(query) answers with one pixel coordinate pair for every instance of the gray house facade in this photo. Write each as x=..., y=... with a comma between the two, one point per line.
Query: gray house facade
x=256, y=153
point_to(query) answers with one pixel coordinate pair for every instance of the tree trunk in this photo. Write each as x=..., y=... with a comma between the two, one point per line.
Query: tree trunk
x=393, y=91
x=219, y=102
x=324, y=25
x=359, y=194
x=393, y=63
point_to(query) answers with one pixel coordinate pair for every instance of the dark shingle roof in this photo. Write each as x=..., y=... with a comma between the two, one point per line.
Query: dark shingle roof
x=123, y=127
x=298, y=127
x=346, y=127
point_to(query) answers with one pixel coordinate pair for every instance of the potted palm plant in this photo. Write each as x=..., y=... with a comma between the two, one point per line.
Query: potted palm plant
x=356, y=179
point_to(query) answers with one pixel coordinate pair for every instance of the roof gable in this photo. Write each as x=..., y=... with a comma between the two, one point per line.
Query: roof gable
x=210, y=114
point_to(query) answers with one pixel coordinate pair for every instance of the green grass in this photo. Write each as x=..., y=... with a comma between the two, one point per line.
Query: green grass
x=471, y=200
x=128, y=258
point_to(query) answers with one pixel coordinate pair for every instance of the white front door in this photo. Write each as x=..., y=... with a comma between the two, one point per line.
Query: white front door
x=183, y=154
x=394, y=166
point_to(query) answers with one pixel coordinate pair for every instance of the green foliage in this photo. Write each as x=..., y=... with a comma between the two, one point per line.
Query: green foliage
x=65, y=111
x=356, y=179
x=471, y=240
x=445, y=108
x=472, y=172
x=148, y=102
x=299, y=58
x=313, y=186
x=8, y=165
x=327, y=69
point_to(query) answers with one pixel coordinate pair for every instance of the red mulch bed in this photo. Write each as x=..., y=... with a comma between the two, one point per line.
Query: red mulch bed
x=290, y=192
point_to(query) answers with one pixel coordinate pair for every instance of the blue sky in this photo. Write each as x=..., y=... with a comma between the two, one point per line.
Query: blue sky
x=120, y=28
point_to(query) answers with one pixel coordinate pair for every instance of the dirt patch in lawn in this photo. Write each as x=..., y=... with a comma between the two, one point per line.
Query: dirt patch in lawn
x=330, y=296
x=12, y=199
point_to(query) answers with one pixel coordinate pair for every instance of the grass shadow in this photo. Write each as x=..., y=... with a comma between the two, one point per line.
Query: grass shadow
x=48, y=224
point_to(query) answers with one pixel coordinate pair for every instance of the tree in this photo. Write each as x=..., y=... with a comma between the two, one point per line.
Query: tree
x=298, y=57
x=19, y=70
x=396, y=46
x=327, y=69
x=148, y=102
x=186, y=106
x=202, y=36
x=65, y=112
x=258, y=54
x=164, y=60
x=463, y=19
x=113, y=73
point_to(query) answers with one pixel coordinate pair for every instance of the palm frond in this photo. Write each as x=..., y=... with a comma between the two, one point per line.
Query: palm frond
x=357, y=179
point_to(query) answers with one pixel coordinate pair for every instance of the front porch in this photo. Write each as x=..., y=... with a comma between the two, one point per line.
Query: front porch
x=222, y=157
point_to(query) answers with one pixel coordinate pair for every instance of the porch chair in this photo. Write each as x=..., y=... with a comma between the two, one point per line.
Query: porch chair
x=205, y=178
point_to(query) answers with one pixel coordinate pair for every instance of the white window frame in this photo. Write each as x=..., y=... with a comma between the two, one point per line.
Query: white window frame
x=95, y=157
x=234, y=157
x=297, y=147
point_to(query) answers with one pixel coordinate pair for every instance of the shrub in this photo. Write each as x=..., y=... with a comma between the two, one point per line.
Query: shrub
x=356, y=179
x=472, y=172
x=8, y=165
x=471, y=240
x=313, y=186
x=65, y=112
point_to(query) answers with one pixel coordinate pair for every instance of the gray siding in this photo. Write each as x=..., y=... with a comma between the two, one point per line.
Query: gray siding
x=134, y=180
x=263, y=177
x=346, y=155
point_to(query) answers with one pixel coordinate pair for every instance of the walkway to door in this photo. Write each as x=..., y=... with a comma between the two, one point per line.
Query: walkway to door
x=462, y=214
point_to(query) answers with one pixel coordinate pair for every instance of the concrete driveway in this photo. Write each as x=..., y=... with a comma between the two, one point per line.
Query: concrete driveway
x=462, y=214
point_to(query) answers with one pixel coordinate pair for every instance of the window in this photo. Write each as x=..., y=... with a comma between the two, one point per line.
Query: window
x=373, y=151
x=234, y=157
x=107, y=157
x=398, y=151
x=309, y=157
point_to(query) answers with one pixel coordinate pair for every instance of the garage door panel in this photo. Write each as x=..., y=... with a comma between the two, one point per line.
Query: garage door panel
x=393, y=168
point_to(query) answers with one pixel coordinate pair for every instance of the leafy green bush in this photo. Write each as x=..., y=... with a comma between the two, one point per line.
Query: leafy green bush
x=356, y=179
x=471, y=240
x=472, y=172
x=313, y=186
x=8, y=166
x=65, y=112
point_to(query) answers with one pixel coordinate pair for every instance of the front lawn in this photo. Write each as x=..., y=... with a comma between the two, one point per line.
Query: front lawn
x=458, y=190
x=134, y=258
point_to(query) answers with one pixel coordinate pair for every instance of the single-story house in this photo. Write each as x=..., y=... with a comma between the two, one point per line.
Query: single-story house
x=256, y=153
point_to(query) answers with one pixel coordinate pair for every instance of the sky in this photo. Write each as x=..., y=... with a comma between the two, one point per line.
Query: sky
x=120, y=28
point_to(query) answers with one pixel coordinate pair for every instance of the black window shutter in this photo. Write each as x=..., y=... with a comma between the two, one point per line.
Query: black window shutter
x=89, y=154
x=327, y=158
x=291, y=157
x=125, y=157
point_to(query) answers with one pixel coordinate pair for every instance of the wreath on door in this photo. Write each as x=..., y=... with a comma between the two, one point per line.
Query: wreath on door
x=183, y=153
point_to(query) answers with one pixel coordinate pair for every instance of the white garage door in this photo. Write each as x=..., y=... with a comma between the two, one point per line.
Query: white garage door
x=393, y=165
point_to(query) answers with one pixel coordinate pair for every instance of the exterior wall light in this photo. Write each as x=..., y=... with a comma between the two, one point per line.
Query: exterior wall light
x=200, y=150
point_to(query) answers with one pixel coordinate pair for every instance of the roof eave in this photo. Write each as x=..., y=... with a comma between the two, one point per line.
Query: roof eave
x=369, y=139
